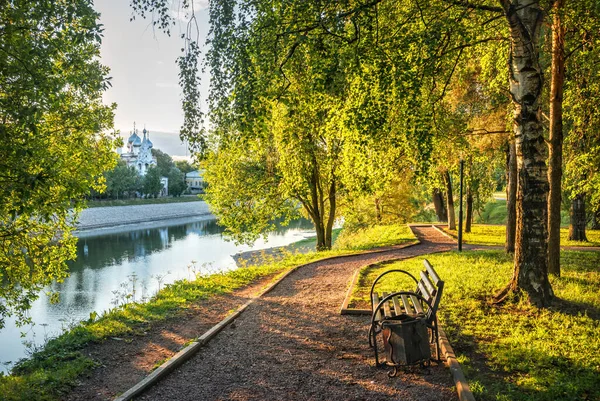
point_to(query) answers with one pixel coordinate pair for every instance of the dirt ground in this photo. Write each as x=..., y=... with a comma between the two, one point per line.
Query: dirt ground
x=292, y=344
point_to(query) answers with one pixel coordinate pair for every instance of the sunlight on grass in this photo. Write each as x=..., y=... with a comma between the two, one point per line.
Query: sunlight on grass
x=482, y=234
x=515, y=352
x=372, y=237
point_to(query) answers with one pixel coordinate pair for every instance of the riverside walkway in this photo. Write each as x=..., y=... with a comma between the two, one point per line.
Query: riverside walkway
x=293, y=344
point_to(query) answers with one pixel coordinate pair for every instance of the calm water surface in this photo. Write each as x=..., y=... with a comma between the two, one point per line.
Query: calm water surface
x=108, y=265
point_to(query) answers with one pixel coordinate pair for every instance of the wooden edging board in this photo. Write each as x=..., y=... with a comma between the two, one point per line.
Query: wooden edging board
x=186, y=353
x=462, y=387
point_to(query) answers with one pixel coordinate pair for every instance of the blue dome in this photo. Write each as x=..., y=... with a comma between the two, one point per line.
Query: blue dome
x=147, y=139
x=137, y=141
x=133, y=137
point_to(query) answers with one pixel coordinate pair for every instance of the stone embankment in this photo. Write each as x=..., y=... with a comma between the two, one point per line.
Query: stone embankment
x=104, y=217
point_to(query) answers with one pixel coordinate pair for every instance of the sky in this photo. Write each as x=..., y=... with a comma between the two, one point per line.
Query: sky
x=144, y=72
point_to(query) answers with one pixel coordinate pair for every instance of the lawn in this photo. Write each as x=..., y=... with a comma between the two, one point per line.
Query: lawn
x=495, y=235
x=494, y=212
x=140, y=201
x=515, y=352
x=374, y=237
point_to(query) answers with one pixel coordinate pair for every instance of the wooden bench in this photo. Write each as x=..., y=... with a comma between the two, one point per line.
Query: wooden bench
x=422, y=303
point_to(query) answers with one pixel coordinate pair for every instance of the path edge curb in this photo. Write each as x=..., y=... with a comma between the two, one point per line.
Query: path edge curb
x=462, y=386
x=186, y=353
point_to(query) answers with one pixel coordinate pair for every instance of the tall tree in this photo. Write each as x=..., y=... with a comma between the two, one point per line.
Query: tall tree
x=525, y=19
x=52, y=143
x=555, y=157
x=511, y=196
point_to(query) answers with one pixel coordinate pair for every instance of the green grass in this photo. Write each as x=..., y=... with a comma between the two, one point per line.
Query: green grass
x=49, y=373
x=139, y=201
x=515, y=352
x=494, y=212
x=373, y=237
x=496, y=235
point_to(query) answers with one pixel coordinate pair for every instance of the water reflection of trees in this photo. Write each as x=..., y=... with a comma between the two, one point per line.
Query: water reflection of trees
x=106, y=250
x=110, y=249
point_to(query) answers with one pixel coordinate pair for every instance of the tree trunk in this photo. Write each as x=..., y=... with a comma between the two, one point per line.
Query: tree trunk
x=578, y=220
x=377, y=210
x=511, y=197
x=556, y=139
x=440, y=208
x=469, y=210
x=596, y=220
x=450, y=201
x=526, y=83
x=331, y=218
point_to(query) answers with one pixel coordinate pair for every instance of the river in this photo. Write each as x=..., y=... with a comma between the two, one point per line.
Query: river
x=109, y=265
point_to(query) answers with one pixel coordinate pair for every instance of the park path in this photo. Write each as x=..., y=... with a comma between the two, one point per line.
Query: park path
x=293, y=344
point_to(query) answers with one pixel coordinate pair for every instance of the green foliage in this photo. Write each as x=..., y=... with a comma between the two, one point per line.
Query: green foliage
x=122, y=180
x=184, y=166
x=53, y=146
x=151, y=185
x=176, y=182
x=515, y=352
x=164, y=162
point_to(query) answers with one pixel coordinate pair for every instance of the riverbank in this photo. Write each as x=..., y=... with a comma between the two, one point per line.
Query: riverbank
x=143, y=201
x=127, y=343
x=98, y=219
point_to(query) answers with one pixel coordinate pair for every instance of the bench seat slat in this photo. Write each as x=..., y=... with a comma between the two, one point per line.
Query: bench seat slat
x=424, y=292
x=397, y=307
x=417, y=304
x=375, y=303
x=407, y=307
x=432, y=273
x=428, y=283
x=386, y=306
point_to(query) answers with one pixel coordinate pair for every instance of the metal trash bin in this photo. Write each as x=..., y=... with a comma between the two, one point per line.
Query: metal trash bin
x=405, y=340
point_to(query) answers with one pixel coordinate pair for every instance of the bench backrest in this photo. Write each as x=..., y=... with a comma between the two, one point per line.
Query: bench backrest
x=430, y=287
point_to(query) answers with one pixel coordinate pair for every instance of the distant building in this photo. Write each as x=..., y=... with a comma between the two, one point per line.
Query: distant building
x=195, y=181
x=139, y=152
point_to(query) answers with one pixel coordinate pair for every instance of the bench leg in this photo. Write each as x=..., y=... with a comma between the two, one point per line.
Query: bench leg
x=373, y=343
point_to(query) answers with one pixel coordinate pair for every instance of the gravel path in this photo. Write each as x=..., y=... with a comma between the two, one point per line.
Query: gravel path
x=293, y=344
x=99, y=217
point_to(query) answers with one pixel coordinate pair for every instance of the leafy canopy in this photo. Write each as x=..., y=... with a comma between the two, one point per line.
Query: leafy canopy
x=52, y=143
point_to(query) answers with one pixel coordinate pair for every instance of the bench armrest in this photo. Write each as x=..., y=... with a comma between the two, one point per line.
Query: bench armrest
x=387, y=272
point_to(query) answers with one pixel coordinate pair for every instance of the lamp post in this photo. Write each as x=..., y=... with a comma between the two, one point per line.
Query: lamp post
x=460, y=207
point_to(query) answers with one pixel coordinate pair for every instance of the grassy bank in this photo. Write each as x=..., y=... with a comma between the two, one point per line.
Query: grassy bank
x=515, y=352
x=494, y=212
x=49, y=373
x=139, y=201
x=374, y=237
x=496, y=235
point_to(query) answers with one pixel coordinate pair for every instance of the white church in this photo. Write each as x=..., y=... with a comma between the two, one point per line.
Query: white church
x=139, y=155
x=139, y=152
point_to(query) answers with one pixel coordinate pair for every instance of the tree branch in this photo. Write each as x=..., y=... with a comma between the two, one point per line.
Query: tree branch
x=473, y=6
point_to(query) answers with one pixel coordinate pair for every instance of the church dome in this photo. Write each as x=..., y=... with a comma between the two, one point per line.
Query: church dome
x=133, y=137
x=147, y=138
x=137, y=141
